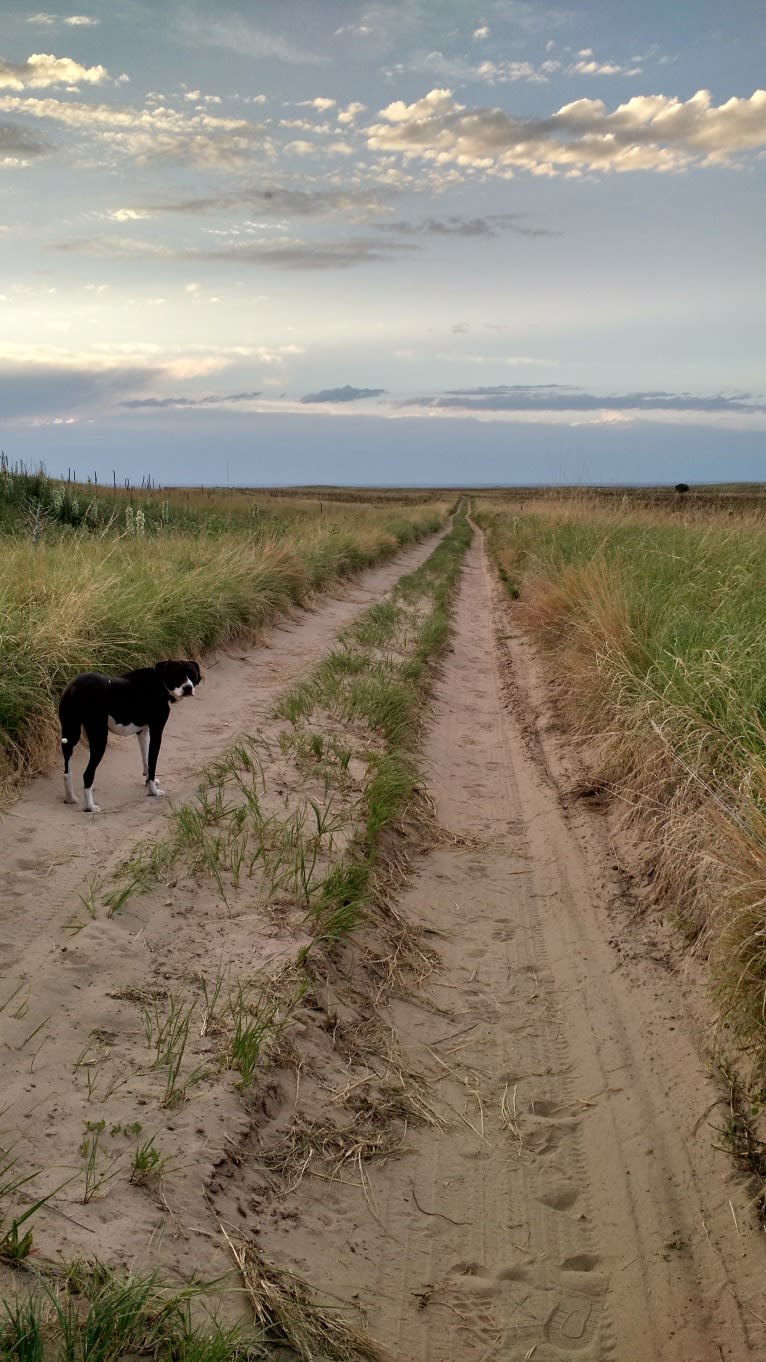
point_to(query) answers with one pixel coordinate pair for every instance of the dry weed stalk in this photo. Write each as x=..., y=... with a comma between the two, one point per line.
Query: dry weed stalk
x=509, y=1118
x=284, y=1309
x=306, y=1142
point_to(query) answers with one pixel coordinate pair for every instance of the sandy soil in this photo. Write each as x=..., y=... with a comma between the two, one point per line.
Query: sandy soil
x=551, y=1187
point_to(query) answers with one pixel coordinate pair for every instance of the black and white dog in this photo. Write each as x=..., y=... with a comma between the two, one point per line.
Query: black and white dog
x=138, y=702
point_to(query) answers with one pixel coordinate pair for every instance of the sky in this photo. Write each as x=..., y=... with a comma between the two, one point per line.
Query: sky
x=422, y=242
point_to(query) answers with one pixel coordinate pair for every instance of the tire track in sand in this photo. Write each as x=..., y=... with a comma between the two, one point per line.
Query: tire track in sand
x=568, y=1210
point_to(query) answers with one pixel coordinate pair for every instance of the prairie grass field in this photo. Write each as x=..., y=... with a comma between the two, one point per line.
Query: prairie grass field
x=654, y=623
x=95, y=581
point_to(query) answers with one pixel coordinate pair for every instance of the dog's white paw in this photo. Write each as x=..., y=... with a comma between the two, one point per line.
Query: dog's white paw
x=154, y=789
x=94, y=808
x=70, y=799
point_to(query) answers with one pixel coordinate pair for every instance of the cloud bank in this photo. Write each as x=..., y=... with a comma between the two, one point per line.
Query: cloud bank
x=555, y=397
x=43, y=70
x=648, y=132
x=212, y=400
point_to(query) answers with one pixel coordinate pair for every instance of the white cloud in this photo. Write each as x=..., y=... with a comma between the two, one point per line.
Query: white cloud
x=321, y=103
x=596, y=68
x=347, y=115
x=103, y=359
x=127, y=215
x=490, y=72
x=146, y=134
x=42, y=70
x=648, y=132
x=481, y=33
x=302, y=125
x=44, y=20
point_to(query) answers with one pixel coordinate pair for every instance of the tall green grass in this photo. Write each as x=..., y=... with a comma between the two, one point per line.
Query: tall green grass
x=112, y=602
x=658, y=631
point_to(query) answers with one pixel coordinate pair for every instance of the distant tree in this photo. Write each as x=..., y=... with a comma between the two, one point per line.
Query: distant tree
x=682, y=486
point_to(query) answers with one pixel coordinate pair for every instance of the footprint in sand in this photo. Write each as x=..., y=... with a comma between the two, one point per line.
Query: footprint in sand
x=561, y=1307
x=573, y=1321
x=504, y=932
x=560, y=1196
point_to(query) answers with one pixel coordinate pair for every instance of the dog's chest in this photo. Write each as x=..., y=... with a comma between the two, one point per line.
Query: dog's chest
x=123, y=730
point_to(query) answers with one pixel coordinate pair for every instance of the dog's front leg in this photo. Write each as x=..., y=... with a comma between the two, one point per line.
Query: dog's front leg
x=155, y=740
x=143, y=747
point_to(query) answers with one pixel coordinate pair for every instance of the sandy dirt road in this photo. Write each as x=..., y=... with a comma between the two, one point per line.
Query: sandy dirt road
x=566, y=1201
x=574, y=1205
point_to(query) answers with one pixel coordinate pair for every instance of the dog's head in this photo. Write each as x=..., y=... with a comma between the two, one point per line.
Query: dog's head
x=179, y=678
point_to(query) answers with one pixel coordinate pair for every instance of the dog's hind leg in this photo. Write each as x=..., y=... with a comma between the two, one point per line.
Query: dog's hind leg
x=143, y=747
x=97, y=740
x=70, y=736
x=68, y=743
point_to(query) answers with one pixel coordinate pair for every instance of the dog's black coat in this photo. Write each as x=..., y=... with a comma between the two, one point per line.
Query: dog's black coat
x=137, y=702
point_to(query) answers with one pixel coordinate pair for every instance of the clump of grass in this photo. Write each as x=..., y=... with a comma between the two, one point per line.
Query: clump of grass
x=342, y=901
x=148, y=1163
x=86, y=1313
x=22, y=1337
x=16, y=1243
x=284, y=1309
x=377, y=627
x=167, y=1023
x=255, y=1017
x=738, y=1134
